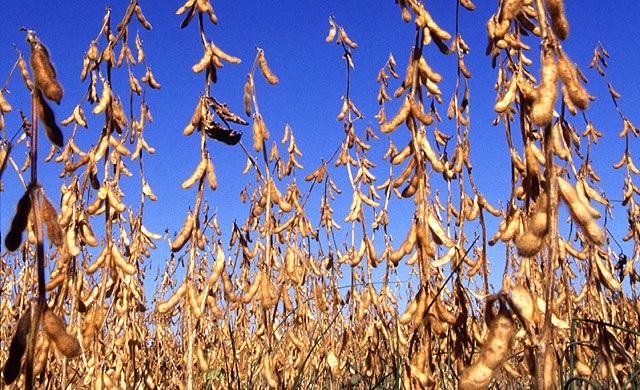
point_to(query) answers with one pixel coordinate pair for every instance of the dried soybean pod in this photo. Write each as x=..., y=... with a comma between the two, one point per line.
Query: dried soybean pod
x=559, y=23
x=192, y=300
x=5, y=151
x=86, y=233
x=204, y=6
x=173, y=300
x=105, y=98
x=291, y=266
x=24, y=72
x=55, y=328
x=542, y=110
x=526, y=89
x=120, y=262
x=529, y=244
x=4, y=105
x=267, y=371
x=19, y=222
x=605, y=276
x=218, y=266
x=260, y=132
x=99, y=261
x=50, y=219
x=202, y=360
x=212, y=180
x=219, y=54
x=197, y=174
x=416, y=111
x=343, y=37
x=184, y=235
x=204, y=62
x=43, y=72
x=343, y=110
x=48, y=120
x=257, y=133
x=134, y=85
x=253, y=288
x=150, y=79
x=143, y=21
x=580, y=212
x=538, y=222
x=505, y=102
x=18, y=345
x=521, y=302
x=427, y=71
x=402, y=155
x=468, y=5
x=511, y=227
x=438, y=233
x=265, y=70
x=575, y=90
x=495, y=349
x=228, y=287
x=246, y=98
x=397, y=119
x=196, y=118
x=332, y=32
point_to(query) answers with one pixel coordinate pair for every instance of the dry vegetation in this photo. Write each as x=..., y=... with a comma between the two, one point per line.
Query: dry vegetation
x=297, y=301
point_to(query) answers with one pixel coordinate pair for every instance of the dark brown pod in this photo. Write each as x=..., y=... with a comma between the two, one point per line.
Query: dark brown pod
x=219, y=133
x=48, y=120
x=19, y=222
x=43, y=72
x=18, y=345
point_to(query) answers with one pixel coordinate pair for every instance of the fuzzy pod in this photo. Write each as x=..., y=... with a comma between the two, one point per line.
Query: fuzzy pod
x=529, y=244
x=43, y=72
x=260, y=132
x=246, y=97
x=265, y=70
x=522, y=303
x=55, y=328
x=50, y=219
x=538, y=222
x=559, y=23
x=542, y=110
x=575, y=90
x=580, y=212
x=494, y=351
x=510, y=9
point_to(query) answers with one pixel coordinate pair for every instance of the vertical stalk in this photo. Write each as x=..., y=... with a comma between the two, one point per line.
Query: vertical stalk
x=542, y=349
x=34, y=193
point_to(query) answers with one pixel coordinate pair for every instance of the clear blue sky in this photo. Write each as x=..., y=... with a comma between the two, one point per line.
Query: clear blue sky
x=312, y=80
